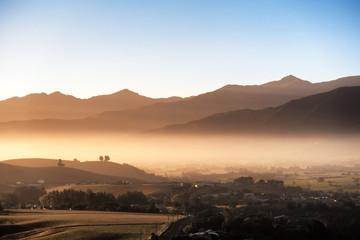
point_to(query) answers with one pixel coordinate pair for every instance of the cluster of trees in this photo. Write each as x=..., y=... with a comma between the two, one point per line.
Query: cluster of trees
x=106, y=158
x=250, y=181
x=28, y=196
x=23, y=195
x=79, y=200
x=318, y=222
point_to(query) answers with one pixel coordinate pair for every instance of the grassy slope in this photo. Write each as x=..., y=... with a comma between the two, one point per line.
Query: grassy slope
x=51, y=175
x=105, y=168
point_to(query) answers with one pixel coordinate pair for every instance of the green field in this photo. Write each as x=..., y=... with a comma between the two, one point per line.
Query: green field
x=61, y=224
x=332, y=182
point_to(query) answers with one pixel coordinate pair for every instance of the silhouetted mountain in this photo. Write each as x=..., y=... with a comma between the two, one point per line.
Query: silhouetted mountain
x=53, y=175
x=98, y=167
x=227, y=98
x=336, y=111
x=58, y=105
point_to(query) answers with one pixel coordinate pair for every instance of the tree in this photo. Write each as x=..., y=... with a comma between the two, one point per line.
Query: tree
x=244, y=180
x=107, y=158
x=320, y=179
x=275, y=183
x=129, y=198
x=23, y=195
x=101, y=158
x=60, y=164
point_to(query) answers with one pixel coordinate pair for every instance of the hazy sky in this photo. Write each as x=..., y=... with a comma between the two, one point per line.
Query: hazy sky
x=164, y=48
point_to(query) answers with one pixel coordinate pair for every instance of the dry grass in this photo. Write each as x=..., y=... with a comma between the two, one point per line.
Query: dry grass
x=61, y=224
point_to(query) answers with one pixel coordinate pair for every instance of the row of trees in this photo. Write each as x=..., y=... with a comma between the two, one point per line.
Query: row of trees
x=24, y=195
x=250, y=181
x=129, y=201
x=105, y=158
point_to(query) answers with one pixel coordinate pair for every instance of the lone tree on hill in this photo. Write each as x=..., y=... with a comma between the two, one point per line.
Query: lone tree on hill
x=107, y=158
x=101, y=158
x=60, y=164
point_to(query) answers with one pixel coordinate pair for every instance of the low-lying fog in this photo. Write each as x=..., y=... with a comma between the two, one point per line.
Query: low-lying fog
x=164, y=152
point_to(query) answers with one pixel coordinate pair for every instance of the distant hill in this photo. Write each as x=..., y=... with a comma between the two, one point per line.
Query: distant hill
x=103, y=168
x=60, y=106
x=337, y=111
x=227, y=98
x=52, y=175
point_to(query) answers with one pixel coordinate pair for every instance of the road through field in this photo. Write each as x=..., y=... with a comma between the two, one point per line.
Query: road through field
x=174, y=228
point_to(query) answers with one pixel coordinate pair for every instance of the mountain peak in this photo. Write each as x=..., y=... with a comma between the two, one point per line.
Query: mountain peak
x=57, y=93
x=127, y=92
x=290, y=78
x=289, y=81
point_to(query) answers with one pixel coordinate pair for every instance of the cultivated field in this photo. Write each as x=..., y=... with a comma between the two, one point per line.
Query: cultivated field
x=332, y=181
x=75, y=225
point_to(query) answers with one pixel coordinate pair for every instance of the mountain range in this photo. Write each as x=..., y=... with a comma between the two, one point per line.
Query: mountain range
x=334, y=111
x=61, y=106
x=132, y=112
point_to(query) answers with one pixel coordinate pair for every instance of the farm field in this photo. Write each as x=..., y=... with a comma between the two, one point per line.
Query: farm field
x=331, y=182
x=74, y=225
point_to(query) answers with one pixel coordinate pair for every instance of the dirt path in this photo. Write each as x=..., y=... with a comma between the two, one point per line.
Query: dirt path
x=174, y=228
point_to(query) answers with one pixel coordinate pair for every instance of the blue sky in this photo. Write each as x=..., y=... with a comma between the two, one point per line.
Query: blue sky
x=165, y=48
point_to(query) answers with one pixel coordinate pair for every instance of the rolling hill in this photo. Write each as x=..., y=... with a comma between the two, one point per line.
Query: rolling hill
x=336, y=111
x=97, y=167
x=52, y=175
x=227, y=98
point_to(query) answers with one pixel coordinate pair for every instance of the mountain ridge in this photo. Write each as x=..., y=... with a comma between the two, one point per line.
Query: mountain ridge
x=160, y=114
x=333, y=111
x=37, y=106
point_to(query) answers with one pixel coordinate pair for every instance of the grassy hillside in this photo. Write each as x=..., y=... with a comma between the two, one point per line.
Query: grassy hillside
x=104, y=168
x=52, y=175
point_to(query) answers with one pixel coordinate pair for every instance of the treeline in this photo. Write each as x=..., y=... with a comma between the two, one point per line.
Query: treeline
x=250, y=181
x=79, y=200
x=26, y=197
x=23, y=196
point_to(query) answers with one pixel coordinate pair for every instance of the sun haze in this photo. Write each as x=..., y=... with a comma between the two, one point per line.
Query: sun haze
x=166, y=48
